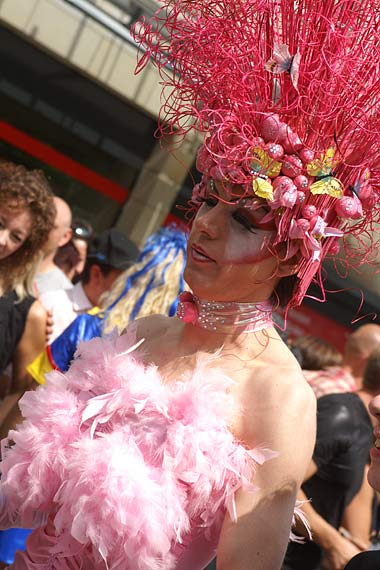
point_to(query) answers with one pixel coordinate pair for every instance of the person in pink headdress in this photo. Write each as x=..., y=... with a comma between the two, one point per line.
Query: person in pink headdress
x=191, y=436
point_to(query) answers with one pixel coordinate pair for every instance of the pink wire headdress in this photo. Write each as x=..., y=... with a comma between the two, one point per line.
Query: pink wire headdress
x=288, y=94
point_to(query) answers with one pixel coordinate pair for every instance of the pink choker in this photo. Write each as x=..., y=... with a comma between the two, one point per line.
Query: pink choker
x=224, y=317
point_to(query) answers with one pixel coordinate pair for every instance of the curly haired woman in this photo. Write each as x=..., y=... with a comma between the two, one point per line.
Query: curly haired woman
x=26, y=217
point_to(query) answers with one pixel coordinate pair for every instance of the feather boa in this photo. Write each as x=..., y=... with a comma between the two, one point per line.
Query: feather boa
x=125, y=464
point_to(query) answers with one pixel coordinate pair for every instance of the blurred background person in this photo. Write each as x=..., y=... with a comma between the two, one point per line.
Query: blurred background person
x=347, y=376
x=314, y=353
x=67, y=259
x=49, y=276
x=362, y=515
x=335, y=482
x=110, y=253
x=151, y=286
x=82, y=237
x=371, y=560
x=27, y=215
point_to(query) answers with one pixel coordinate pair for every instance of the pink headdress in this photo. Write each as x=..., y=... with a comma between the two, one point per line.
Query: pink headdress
x=288, y=94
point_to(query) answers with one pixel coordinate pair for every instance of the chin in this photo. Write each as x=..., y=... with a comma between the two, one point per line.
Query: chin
x=374, y=477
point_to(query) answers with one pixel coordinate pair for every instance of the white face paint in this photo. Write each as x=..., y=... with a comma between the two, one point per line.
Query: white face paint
x=230, y=245
x=15, y=227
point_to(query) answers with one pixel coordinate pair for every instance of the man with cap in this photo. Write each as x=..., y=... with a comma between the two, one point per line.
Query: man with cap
x=109, y=255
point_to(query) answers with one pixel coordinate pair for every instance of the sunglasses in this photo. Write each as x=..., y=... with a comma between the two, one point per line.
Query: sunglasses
x=82, y=232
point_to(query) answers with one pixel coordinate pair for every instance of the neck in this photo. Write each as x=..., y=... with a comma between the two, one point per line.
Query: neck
x=47, y=264
x=225, y=318
x=91, y=294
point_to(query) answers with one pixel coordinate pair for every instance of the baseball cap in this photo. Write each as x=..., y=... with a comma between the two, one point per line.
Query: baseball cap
x=113, y=248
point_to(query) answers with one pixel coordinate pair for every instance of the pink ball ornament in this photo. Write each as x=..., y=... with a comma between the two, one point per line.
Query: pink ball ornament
x=285, y=193
x=258, y=141
x=274, y=150
x=309, y=211
x=349, y=207
x=270, y=128
x=306, y=155
x=292, y=165
x=367, y=196
x=282, y=182
x=301, y=182
x=300, y=197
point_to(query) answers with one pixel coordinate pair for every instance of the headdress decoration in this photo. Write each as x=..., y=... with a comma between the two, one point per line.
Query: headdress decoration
x=288, y=95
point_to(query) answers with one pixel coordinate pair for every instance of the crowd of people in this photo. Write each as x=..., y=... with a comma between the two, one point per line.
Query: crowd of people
x=152, y=415
x=118, y=284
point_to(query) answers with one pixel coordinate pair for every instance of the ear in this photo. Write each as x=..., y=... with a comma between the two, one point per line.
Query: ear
x=289, y=266
x=95, y=273
x=66, y=237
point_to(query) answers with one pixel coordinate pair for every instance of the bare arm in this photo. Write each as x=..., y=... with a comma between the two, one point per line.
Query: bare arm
x=337, y=549
x=357, y=517
x=279, y=413
x=32, y=342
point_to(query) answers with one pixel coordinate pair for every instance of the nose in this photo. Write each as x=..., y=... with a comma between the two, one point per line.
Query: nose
x=209, y=220
x=3, y=237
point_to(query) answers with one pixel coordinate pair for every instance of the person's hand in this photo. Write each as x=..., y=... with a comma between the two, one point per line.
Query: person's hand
x=49, y=325
x=339, y=554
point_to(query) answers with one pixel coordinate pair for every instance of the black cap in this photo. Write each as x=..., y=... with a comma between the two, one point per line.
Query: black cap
x=113, y=248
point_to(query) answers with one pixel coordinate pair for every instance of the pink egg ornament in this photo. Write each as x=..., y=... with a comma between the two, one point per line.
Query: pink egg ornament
x=292, y=165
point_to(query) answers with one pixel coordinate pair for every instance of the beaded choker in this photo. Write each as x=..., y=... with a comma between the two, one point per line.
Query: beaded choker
x=224, y=317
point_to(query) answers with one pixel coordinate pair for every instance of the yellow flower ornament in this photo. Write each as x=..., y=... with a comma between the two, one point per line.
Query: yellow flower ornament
x=264, y=167
x=262, y=187
x=262, y=163
x=321, y=168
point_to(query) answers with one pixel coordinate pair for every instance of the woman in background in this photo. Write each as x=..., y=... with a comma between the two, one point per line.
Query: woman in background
x=27, y=215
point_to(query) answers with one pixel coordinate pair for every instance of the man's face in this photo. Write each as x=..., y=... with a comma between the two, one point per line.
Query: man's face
x=61, y=232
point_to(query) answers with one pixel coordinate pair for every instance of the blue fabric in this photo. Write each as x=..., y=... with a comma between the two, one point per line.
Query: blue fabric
x=85, y=327
x=11, y=540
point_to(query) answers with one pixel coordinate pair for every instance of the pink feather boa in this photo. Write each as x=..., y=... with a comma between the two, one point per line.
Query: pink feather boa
x=126, y=465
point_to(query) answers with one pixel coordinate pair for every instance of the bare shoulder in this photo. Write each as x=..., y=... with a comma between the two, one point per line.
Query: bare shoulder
x=36, y=314
x=282, y=382
x=152, y=326
x=277, y=401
